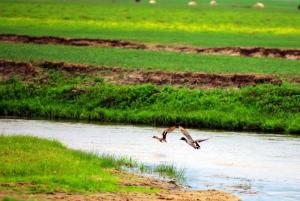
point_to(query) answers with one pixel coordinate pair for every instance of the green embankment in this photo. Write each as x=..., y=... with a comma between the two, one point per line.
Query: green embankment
x=158, y=60
x=231, y=23
x=47, y=166
x=262, y=108
x=13, y=199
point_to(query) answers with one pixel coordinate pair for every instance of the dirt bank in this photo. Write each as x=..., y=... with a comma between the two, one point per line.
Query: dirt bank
x=169, y=191
x=209, y=195
x=293, y=54
x=134, y=76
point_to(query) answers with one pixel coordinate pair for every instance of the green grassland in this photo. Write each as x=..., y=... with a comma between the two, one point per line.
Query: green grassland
x=157, y=60
x=261, y=108
x=232, y=23
x=47, y=166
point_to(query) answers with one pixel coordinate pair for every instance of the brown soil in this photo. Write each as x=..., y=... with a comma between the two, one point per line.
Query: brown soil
x=136, y=76
x=169, y=191
x=293, y=54
x=209, y=195
x=16, y=68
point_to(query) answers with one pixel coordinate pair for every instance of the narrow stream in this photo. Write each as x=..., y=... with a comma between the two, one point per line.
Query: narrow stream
x=262, y=167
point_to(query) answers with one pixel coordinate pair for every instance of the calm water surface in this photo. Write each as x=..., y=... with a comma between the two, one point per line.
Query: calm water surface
x=253, y=166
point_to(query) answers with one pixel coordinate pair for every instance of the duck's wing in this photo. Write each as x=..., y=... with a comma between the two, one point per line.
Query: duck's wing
x=198, y=141
x=168, y=130
x=185, y=133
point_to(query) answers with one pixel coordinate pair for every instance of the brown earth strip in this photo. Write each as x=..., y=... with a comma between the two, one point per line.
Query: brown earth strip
x=292, y=54
x=134, y=76
x=209, y=195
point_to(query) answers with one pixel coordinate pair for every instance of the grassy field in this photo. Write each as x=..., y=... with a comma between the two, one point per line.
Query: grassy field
x=158, y=60
x=33, y=165
x=262, y=108
x=47, y=166
x=266, y=108
x=232, y=23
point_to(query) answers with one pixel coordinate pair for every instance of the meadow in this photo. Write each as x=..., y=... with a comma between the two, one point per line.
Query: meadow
x=33, y=90
x=266, y=108
x=47, y=166
x=232, y=23
x=154, y=60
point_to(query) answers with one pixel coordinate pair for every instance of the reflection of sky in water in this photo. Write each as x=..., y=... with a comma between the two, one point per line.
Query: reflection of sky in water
x=253, y=166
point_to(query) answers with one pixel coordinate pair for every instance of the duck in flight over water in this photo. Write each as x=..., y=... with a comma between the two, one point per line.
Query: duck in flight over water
x=189, y=140
x=163, y=138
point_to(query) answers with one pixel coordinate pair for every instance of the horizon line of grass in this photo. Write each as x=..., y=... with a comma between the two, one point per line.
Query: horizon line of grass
x=146, y=59
x=49, y=166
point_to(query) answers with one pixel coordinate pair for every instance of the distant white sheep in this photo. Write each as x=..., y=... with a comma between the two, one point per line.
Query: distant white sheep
x=192, y=3
x=152, y=2
x=213, y=3
x=259, y=5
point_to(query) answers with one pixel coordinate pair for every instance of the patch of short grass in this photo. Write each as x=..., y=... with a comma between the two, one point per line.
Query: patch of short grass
x=157, y=60
x=13, y=199
x=39, y=165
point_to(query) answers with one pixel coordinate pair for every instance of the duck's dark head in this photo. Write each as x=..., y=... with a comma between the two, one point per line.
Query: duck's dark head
x=183, y=138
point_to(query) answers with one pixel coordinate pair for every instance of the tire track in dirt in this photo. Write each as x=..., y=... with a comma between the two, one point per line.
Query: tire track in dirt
x=291, y=54
x=135, y=76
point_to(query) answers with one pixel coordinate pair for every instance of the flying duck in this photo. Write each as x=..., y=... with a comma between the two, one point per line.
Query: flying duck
x=164, y=134
x=189, y=140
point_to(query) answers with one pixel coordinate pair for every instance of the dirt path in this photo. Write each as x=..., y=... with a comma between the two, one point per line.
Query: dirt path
x=209, y=195
x=169, y=191
x=292, y=54
x=38, y=70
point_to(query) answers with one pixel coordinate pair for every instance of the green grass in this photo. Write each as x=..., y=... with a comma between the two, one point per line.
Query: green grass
x=170, y=21
x=13, y=199
x=169, y=61
x=170, y=171
x=265, y=108
x=48, y=166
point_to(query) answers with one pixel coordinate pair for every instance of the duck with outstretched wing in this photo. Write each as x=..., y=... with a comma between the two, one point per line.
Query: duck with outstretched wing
x=189, y=140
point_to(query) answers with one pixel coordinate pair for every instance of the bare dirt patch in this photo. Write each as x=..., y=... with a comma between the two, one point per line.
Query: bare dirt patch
x=9, y=68
x=292, y=54
x=209, y=195
x=139, y=76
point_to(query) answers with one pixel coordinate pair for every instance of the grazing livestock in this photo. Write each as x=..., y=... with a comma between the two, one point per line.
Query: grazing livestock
x=213, y=3
x=259, y=5
x=152, y=2
x=192, y=3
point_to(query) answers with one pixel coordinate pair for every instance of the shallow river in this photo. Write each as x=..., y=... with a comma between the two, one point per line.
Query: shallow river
x=260, y=167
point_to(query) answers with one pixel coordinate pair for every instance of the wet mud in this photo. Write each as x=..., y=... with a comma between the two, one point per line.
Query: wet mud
x=136, y=76
x=292, y=54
